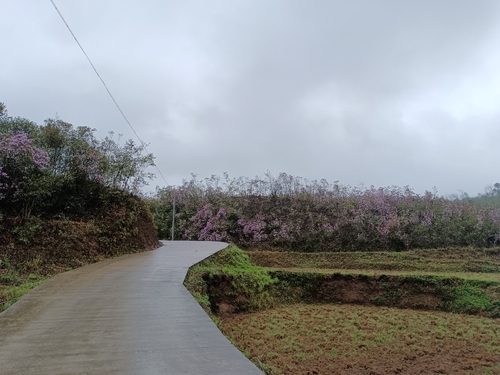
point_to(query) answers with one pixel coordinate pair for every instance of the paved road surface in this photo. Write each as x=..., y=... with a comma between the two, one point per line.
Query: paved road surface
x=128, y=315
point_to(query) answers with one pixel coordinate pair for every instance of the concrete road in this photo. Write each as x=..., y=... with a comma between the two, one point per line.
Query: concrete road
x=128, y=315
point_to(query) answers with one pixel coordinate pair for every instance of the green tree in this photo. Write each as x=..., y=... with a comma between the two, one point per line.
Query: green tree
x=125, y=166
x=16, y=125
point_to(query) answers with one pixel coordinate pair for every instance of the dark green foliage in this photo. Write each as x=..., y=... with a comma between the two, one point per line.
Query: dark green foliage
x=16, y=125
x=61, y=206
x=119, y=223
x=125, y=166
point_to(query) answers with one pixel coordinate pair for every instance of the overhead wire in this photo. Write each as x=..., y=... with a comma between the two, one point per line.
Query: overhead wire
x=106, y=87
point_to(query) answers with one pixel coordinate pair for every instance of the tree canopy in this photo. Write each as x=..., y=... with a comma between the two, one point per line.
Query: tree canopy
x=57, y=168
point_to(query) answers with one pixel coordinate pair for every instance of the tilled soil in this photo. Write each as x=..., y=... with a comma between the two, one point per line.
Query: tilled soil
x=349, y=339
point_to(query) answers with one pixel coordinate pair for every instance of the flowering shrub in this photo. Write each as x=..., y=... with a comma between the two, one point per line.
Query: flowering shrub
x=208, y=225
x=18, y=159
x=291, y=212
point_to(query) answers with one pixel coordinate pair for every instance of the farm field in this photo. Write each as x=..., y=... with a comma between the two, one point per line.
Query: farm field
x=347, y=313
x=434, y=260
x=351, y=339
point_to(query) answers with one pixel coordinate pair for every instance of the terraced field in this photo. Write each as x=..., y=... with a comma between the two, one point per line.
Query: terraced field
x=349, y=339
x=420, y=312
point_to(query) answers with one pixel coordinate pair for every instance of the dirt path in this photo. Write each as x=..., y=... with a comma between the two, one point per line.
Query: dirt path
x=128, y=315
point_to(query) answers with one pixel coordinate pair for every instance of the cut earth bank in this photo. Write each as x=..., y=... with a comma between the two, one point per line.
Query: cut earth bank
x=417, y=312
x=32, y=250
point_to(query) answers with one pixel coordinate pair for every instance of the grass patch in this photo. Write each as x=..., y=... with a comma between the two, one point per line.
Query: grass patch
x=494, y=277
x=14, y=286
x=229, y=278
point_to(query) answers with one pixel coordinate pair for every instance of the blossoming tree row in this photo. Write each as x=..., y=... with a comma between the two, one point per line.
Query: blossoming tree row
x=293, y=213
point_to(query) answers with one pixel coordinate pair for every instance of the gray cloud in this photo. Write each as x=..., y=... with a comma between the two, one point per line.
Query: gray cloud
x=379, y=92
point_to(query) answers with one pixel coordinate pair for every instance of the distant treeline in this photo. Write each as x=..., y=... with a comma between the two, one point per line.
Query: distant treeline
x=491, y=196
x=293, y=213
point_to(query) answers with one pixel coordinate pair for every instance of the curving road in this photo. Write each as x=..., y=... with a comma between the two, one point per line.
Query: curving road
x=127, y=315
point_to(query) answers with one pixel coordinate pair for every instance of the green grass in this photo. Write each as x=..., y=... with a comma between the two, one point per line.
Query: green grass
x=9, y=294
x=13, y=284
x=232, y=264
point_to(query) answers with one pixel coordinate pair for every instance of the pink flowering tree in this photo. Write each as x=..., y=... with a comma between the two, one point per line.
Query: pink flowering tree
x=296, y=214
x=209, y=224
x=19, y=161
x=23, y=168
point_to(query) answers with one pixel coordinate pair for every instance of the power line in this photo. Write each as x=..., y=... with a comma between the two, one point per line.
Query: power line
x=106, y=87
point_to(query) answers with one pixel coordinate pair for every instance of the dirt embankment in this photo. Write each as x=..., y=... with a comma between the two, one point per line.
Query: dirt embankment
x=53, y=245
x=414, y=292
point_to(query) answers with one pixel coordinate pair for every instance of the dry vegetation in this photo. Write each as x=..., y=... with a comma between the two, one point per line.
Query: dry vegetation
x=434, y=260
x=350, y=339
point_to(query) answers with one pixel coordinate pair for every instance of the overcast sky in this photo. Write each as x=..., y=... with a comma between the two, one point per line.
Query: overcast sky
x=382, y=93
